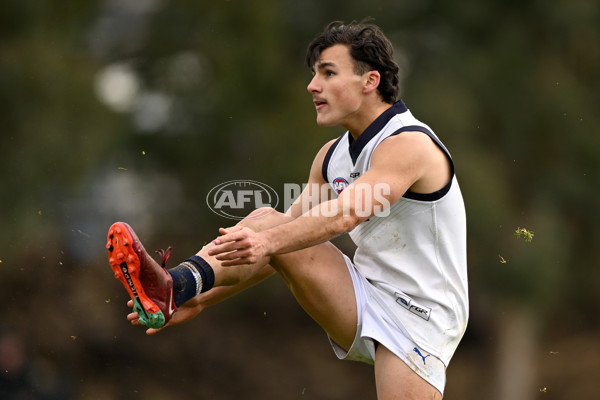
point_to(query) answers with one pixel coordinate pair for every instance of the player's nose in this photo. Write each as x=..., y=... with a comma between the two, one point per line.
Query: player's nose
x=313, y=86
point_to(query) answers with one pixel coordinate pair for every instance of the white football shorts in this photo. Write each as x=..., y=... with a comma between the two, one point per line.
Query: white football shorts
x=374, y=326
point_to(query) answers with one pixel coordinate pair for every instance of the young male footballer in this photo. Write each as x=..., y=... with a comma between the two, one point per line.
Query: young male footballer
x=401, y=304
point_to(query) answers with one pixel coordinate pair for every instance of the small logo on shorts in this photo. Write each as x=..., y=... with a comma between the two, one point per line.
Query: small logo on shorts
x=421, y=355
x=412, y=306
x=402, y=300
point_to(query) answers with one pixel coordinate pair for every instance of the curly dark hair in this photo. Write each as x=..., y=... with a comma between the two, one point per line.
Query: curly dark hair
x=370, y=49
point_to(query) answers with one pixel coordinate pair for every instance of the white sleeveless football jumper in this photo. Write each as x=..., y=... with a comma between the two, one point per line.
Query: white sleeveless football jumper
x=415, y=257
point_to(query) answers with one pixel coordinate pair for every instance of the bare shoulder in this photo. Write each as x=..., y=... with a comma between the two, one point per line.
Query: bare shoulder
x=315, y=171
x=407, y=147
x=416, y=155
x=408, y=142
x=323, y=151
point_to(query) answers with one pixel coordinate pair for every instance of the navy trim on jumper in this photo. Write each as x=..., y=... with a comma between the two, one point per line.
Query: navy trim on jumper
x=356, y=147
x=328, y=157
x=438, y=194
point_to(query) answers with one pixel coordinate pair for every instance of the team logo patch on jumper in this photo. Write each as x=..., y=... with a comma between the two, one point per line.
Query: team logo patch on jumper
x=339, y=184
x=412, y=306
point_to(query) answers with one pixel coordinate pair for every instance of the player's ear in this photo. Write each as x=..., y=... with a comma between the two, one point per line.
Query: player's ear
x=372, y=79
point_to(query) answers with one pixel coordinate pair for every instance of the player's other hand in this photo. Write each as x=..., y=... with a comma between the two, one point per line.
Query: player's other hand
x=186, y=312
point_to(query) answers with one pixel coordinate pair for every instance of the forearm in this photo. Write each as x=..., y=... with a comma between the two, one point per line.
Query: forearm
x=322, y=223
x=241, y=246
x=221, y=293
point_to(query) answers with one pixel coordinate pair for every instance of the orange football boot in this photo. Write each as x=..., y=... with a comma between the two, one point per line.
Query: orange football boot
x=149, y=284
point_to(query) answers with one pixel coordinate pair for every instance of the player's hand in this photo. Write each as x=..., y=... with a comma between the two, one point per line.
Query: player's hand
x=186, y=312
x=238, y=246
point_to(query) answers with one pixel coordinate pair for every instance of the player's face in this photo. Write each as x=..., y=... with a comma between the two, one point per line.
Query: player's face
x=336, y=90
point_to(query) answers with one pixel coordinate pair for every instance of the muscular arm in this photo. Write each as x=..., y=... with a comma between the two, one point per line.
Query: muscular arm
x=408, y=161
x=395, y=167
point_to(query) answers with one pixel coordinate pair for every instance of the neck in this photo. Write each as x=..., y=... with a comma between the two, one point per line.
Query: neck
x=365, y=118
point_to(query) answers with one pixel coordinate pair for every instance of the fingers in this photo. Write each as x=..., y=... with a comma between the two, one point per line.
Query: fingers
x=238, y=257
x=231, y=253
x=229, y=246
x=231, y=229
x=237, y=246
x=220, y=251
x=237, y=261
x=186, y=312
x=135, y=321
x=230, y=235
x=134, y=318
x=231, y=256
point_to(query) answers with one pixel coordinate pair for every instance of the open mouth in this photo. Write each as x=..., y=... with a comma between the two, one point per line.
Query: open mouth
x=319, y=103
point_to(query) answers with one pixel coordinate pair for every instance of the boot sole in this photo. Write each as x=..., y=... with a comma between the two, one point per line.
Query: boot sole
x=125, y=263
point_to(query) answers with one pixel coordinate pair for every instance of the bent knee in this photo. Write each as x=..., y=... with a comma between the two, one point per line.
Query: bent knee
x=262, y=212
x=264, y=218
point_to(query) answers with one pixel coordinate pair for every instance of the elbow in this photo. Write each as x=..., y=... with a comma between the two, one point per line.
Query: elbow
x=349, y=222
x=343, y=217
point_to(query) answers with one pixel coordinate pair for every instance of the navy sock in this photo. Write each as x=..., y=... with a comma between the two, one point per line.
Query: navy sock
x=191, y=277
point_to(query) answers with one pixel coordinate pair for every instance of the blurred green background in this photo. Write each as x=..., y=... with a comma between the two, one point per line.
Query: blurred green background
x=134, y=109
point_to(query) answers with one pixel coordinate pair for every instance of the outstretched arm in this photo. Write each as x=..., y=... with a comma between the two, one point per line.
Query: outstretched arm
x=194, y=306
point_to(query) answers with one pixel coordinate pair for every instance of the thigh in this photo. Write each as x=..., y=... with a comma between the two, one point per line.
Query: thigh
x=319, y=279
x=394, y=379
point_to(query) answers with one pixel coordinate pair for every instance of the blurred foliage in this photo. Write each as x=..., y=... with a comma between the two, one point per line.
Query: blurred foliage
x=511, y=87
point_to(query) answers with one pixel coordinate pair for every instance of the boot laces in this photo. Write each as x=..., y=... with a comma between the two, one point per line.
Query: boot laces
x=164, y=255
